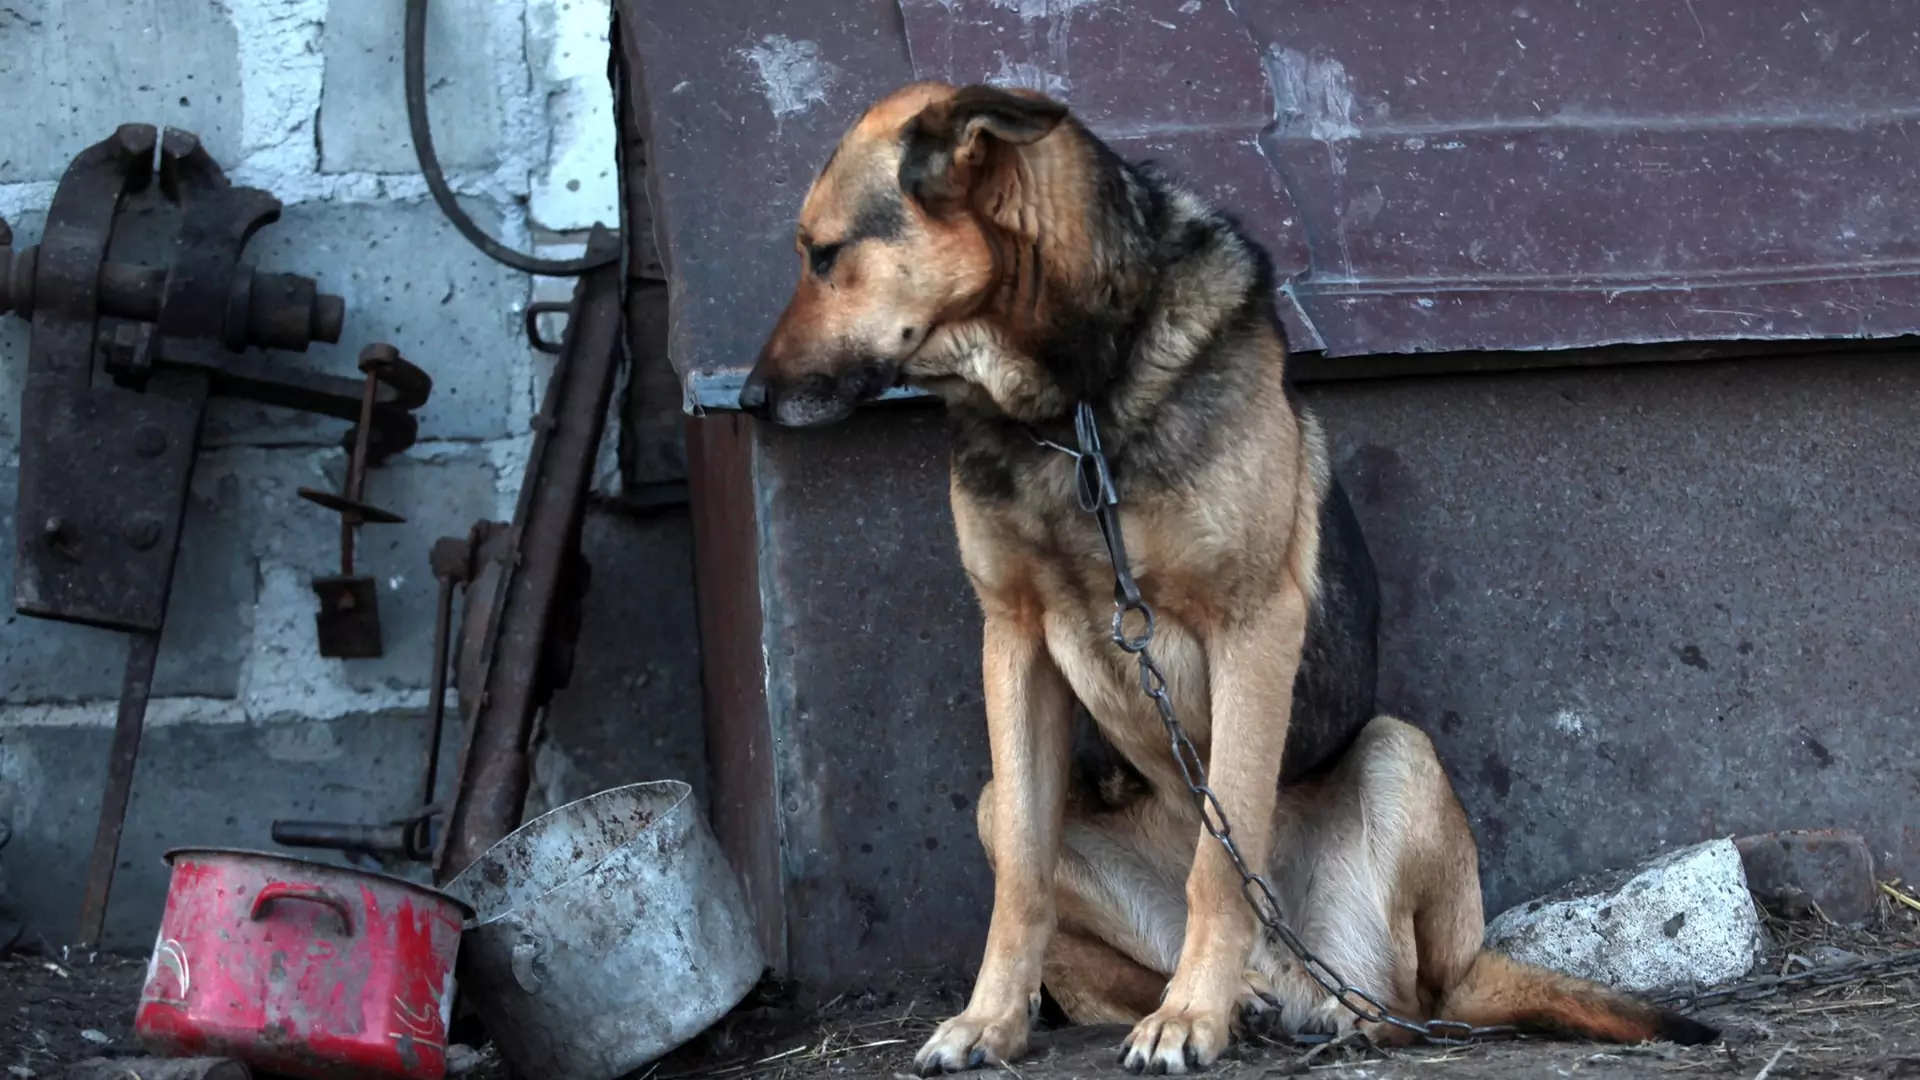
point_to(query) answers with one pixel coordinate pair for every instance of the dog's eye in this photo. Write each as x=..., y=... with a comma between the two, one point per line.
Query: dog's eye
x=821, y=258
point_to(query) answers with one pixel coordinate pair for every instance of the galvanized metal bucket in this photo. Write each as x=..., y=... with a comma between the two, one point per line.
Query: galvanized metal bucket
x=608, y=932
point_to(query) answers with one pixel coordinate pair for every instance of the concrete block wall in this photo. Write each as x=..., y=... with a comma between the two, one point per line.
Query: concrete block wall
x=302, y=98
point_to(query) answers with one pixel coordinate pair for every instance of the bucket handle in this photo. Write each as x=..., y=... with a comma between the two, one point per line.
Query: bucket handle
x=313, y=894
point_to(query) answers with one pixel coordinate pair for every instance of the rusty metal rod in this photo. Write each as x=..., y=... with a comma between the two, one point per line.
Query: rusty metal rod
x=143, y=652
x=357, y=467
x=545, y=532
x=288, y=313
x=437, y=703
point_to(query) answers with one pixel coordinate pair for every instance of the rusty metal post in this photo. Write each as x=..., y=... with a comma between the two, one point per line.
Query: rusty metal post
x=143, y=652
x=347, y=625
x=543, y=541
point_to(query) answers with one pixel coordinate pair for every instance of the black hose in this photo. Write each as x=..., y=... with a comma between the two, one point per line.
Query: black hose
x=416, y=80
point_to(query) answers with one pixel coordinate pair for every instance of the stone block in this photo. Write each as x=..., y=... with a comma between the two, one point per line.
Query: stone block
x=409, y=279
x=568, y=46
x=198, y=783
x=75, y=72
x=363, y=108
x=209, y=615
x=1684, y=918
x=1799, y=870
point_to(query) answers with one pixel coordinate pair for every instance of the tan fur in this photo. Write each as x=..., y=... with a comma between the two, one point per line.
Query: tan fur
x=1378, y=877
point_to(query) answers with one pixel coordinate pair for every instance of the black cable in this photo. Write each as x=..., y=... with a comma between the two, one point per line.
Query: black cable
x=416, y=80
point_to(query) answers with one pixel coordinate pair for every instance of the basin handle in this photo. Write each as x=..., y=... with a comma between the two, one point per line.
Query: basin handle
x=313, y=894
x=527, y=958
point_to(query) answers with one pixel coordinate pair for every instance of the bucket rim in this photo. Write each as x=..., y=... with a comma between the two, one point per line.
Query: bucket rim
x=465, y=909
x=684, y=792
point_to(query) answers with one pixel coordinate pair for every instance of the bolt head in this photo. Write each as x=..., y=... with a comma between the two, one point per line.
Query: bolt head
x=149, y=441
x=142, y=532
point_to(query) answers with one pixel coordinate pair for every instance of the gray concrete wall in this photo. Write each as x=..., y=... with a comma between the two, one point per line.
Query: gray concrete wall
x=303, y=98
x=1636, y=608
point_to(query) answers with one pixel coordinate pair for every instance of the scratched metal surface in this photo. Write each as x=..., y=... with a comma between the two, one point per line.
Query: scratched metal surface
x=1544, y=174
x=1636, y=607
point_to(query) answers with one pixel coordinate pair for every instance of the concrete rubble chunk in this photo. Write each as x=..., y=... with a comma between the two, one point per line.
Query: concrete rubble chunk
x=1798, y=870
x=1684, y=918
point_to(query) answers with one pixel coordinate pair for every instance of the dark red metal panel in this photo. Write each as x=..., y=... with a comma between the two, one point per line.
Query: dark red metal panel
x=1562, y=174
x=727, y=530
x=1174, y=82
x=1543, y=174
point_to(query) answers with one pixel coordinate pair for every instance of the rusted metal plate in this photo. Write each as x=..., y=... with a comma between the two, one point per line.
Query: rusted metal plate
x=103, y=492
x=1564, y=174
x=1556, y=174
x=1651, y=606
x=871, y=636
x=744, y=807
x=1142, y=66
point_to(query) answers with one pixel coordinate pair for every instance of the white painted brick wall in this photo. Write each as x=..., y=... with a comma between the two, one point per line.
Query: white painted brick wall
x=303, y=98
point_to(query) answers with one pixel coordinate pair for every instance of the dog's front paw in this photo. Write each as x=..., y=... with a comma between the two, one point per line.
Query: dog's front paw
x=971, y=1040
x=1180, y=1035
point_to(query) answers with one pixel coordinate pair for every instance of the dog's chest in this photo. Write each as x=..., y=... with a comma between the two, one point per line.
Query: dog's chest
x=1057, y=562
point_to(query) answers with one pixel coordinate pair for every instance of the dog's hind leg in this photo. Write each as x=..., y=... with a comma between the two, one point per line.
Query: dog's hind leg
x=1096, y=983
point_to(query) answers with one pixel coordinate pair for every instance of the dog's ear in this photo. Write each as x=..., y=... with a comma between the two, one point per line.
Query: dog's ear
x=946, y=143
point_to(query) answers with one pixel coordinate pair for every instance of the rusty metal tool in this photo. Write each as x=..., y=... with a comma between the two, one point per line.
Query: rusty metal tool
x=524, y=583
x=414, y=837
x=348, y=622
x=518, y=647
x=122, y=359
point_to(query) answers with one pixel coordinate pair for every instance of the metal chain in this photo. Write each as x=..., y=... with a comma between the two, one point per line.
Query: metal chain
x=1098, y=496
x=1769, y=986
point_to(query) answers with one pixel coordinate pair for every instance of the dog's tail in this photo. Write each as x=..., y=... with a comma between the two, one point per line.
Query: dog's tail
x=1499, y=990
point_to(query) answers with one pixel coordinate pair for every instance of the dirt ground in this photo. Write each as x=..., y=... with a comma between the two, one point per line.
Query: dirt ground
x=54, y=1011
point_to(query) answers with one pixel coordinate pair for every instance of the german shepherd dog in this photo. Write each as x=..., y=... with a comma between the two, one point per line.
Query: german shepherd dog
x=982, y=244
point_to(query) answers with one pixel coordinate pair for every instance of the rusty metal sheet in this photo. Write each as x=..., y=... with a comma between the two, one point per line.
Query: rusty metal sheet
x=1650, y=606
x=99, y=547
x=1144, y=66
x=1555, y=174
x=727, y=537
x=1562, y=174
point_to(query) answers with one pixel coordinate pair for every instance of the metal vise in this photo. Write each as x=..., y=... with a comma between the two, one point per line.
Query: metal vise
x=122, y=361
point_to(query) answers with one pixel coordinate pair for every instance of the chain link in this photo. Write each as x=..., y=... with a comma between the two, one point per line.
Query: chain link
x=1098, y=496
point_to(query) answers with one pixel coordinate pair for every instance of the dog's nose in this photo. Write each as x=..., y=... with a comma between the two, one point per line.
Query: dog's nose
x=753, y=395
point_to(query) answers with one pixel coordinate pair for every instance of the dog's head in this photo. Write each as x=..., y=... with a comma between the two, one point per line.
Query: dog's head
x=892, y=246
